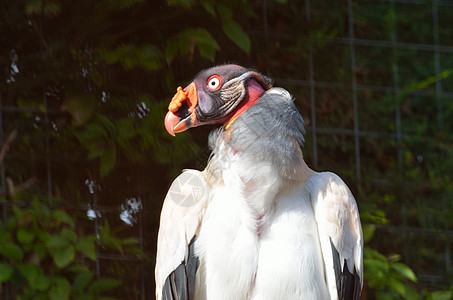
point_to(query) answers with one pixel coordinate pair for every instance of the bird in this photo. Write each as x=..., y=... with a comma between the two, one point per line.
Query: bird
x=257, y=222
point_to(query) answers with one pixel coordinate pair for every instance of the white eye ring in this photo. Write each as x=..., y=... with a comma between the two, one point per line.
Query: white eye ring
x=214, y=82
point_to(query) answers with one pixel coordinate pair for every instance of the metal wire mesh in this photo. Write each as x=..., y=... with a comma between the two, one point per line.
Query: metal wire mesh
x=315, y=129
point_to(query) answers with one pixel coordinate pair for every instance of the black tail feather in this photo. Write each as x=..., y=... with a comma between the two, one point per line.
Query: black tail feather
x=348, y=284
x=180, y=284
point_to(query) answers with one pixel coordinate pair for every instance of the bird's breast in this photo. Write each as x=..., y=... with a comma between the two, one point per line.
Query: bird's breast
x=251, y=233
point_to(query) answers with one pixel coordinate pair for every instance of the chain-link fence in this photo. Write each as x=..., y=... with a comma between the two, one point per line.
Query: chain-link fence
x=372, y=81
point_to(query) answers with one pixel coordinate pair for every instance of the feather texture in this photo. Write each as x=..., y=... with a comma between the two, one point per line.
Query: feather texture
x=266, y=226
x=340, y=233
x=181, y=216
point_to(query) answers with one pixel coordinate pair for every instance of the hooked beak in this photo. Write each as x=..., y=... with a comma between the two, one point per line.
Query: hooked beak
x=181, y=115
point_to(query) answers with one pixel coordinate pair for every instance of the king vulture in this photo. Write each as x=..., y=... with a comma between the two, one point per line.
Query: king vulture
x=257, y=222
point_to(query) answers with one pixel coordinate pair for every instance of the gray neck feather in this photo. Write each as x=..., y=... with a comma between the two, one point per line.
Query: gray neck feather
x=271, y=131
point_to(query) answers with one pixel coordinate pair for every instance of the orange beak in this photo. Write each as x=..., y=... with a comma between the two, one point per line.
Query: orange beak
x=177, y=119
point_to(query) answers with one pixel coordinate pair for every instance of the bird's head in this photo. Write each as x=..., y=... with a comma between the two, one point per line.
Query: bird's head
x=216, y=96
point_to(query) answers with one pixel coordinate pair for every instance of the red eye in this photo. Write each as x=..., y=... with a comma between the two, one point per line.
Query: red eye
x=214, y=82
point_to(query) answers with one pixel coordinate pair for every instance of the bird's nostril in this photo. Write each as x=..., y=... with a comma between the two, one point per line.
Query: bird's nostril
x=183, y=111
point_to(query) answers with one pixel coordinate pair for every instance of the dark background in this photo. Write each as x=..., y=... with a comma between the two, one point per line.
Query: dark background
x=86, y=161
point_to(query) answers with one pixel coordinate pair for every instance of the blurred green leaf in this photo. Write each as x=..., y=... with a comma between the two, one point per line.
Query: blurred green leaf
x=60, y=289
x=5, y=236
x=5, y=272
x=121, y=4
x=81, y=109
x=25, y=236
x=103, y=284
x=41, y=7
x=171, y=50
x=63, y=256
x=185, y=41
x=130, y=241
x=107, y=161
x=368, y=231
x=225, y=11
x=208, y=5
x=69, y=235
x=130, y=56
x=234, y=31
x=87, y=246
x=40, y=250
x=442, y=295
x=108, y=239
x=81, y=281
x=63, y=217
x=57, y=241
x=35, y=276
x=11, y=251
x=404, y=271
x=184, y=3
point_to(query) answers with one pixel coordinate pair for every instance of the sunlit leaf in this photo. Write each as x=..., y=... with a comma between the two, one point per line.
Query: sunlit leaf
x=397, y=286
x=371, y=253
x=376, y=268
x=368, y=230
x=404, y=271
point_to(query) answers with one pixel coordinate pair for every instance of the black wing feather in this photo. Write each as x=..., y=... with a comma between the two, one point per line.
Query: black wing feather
x=348, y=284
x=180, y=284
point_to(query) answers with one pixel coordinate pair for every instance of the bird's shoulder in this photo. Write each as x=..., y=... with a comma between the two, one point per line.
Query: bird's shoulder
x=330, y=187
x=338, y=219
x=181, y=216
x=334, y=203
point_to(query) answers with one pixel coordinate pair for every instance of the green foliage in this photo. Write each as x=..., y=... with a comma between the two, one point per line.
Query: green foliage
x=441, y=295
x=44, y=257
x=104, y=72
x=184, y=43
x=130, y=56
x=40, y=7
x=234, y=31
x=386, y=276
